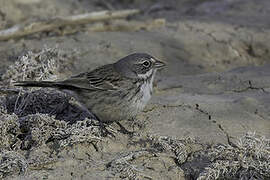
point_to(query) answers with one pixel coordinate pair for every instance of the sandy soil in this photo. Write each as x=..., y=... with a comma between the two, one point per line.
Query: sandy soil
x=209, y=116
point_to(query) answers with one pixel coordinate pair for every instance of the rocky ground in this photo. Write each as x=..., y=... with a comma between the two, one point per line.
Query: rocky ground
x=209, y=116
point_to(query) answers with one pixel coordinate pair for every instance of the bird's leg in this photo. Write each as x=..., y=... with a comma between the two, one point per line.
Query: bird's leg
x=104, y=130
x=124, y=130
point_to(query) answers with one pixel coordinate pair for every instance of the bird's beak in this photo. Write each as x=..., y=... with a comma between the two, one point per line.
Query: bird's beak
x=159, y=64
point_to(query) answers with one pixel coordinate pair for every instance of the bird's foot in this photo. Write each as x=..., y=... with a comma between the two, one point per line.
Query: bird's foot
x=124, y=130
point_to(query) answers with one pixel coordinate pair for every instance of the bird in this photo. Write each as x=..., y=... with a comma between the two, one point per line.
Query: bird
x=112, y=92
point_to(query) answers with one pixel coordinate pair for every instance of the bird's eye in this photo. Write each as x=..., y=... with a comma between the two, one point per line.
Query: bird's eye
x=146, y=63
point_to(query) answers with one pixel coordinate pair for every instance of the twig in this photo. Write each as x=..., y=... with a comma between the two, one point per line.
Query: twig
x=117, y=25
x=122, y=25
x=50, y=24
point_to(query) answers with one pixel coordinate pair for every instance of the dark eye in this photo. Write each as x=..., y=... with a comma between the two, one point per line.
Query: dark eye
x=146, y=64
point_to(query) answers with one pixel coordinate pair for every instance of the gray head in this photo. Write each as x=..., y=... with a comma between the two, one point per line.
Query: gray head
x=138, y=66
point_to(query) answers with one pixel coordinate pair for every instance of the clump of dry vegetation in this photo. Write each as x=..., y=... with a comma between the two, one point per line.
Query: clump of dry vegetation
x=248, y=159
x=12, y=164
x=34, y=119
x=9, y=130
x=180, y=147
x=33, y=133
x=46, y=64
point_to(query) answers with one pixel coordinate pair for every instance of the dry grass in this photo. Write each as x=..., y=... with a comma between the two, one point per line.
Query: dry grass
x=46, y=64
x=249, y=159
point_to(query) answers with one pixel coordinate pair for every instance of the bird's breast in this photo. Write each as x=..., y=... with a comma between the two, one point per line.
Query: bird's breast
x=146, y=91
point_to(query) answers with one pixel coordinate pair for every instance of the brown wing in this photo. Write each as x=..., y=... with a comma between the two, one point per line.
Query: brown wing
x=103, y=78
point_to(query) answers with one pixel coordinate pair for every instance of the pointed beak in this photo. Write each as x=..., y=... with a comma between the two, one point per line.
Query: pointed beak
x=159, y=64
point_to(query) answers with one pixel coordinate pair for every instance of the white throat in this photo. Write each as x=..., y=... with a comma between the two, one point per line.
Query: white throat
x=145, y=90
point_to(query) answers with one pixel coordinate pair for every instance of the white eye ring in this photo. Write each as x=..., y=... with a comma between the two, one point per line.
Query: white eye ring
x=146, y=64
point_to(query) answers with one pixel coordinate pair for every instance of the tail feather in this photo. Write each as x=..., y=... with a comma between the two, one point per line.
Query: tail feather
x=53, y=84
x=38, y=84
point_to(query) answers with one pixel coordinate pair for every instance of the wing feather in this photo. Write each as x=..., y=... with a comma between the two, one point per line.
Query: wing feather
x=104, y=78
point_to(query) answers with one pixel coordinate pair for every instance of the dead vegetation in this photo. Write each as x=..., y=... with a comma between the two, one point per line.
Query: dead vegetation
x=47, y=64
x=249, y=160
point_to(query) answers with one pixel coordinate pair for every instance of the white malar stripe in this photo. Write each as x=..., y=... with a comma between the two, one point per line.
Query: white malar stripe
x=146, y=75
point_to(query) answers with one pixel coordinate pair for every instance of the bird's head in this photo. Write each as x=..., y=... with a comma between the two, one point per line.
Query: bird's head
x=138, y=66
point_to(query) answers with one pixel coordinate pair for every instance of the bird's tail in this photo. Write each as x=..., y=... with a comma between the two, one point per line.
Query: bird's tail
x=37, y=84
